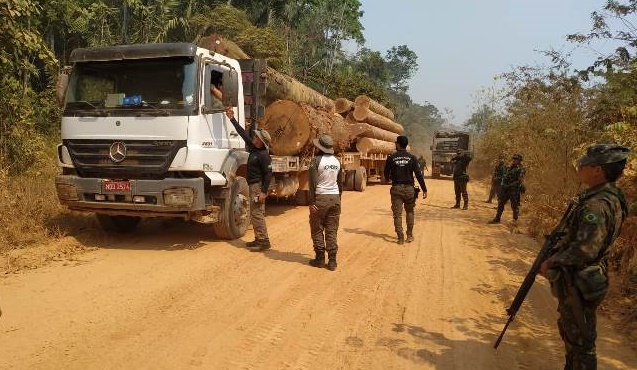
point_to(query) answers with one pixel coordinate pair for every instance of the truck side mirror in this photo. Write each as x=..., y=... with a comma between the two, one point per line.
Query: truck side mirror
x=61, y=85
x=230, y=88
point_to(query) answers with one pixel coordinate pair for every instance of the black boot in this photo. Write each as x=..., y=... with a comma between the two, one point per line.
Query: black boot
x=260, y=245
x=494, y=221
x=331, y=263
x=401, y=239
x=319, y=260
x=466, y=205
x=457, y=205
x=252, y=243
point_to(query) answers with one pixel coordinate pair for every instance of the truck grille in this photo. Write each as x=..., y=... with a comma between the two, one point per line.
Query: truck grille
x=141, y=159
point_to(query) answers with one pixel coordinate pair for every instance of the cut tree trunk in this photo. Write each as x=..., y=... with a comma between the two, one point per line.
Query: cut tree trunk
x=278, y=85
x=366, y=145
x=362, y=129
x=374, y=106
x=343, y=106
x=292, y=127
x=363, y=114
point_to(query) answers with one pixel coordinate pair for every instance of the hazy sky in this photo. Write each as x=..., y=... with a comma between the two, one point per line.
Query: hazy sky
x=463, y=44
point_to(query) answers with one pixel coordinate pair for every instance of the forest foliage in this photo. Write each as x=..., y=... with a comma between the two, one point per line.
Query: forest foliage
x=547, y=113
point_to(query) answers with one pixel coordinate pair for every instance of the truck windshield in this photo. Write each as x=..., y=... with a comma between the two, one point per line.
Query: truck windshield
x=162, y=86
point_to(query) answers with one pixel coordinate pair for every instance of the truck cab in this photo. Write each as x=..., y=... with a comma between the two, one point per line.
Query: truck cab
x=443, y=148
x=143, y=136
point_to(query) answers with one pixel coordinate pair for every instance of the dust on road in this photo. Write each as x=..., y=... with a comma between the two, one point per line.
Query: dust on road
x=171, y=297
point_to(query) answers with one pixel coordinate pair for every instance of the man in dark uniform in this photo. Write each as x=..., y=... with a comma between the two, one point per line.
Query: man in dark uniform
x=496, y=178
x=511, y=188
x=578, y=271
x=258, y=178
x=325, y=202
x=400, y=168
x=422, y=163
x=460, y=163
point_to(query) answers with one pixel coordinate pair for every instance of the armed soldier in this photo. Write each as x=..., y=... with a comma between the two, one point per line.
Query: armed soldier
x=496, y=178
x=460, y=177
x=578, y=270
x=511, y=188
x=422, y=163
x=400, y=168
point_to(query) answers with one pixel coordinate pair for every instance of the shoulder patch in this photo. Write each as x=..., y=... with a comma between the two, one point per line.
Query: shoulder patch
x=591, y=217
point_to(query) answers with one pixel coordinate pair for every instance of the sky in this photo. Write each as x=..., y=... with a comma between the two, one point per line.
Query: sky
x=463, y=44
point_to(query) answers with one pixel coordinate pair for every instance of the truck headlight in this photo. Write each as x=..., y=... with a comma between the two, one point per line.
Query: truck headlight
x=66, y=191
x=179, y=197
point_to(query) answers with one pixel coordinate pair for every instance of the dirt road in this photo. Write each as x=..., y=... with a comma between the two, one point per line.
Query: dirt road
x=170, y=297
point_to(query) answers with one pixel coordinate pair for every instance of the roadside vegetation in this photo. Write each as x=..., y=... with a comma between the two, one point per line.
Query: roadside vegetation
x=550, y=114
x=547, y=113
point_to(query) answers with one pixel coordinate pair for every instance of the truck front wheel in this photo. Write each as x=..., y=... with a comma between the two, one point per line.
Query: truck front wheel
x=235, y=211
x=122, y=224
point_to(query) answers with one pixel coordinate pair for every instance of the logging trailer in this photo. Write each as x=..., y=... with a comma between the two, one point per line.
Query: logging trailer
x=142, y=135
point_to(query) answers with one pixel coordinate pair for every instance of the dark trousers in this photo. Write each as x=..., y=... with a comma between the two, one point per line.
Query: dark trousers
x=324, y=223
x=495, y=190
x=403, y=194
x=460, y=187
x=505, y=195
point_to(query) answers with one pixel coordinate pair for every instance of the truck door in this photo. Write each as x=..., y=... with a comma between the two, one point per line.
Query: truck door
x=217, y=131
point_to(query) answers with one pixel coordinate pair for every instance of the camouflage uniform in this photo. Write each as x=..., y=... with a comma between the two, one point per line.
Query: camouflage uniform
x=461, y=178
x=510, y=189
x=579, y=269
x=496, y=180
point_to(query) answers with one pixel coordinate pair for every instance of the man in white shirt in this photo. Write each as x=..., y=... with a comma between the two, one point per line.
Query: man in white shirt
x=325, y=202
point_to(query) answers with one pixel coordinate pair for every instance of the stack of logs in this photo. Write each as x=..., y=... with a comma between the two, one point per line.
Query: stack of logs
x=295, y=114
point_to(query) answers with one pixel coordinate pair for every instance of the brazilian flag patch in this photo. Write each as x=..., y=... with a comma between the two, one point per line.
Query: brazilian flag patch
x=591, y=217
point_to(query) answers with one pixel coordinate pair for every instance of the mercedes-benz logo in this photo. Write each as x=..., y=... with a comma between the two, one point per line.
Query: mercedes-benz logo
x=117, y=151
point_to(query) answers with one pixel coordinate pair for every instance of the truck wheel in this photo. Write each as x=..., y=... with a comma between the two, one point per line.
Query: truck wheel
x=121, y=224
x=348, y=183
x=360, y=179
x=301, y=197
x=235, y=211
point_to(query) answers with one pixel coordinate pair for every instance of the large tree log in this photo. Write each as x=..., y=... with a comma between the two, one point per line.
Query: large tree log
x=343, y=106
x=278, y=85
x=362, y=114
x=362, y=129
x=366, y=145
x=292, y=127
x=374, y=106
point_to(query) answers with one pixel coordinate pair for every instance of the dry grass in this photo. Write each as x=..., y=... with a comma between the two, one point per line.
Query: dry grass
x=30, y=214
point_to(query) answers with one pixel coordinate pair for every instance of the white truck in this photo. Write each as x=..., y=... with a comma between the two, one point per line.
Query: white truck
x=142, y=135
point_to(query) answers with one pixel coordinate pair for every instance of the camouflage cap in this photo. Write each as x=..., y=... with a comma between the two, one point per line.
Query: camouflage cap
x=517, y=157
x=597, y=154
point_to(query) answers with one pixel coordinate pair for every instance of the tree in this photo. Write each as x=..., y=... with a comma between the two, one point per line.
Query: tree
x=402, y=65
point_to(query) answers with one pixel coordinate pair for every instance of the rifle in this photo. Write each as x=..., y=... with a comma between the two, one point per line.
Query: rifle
x=548, y=249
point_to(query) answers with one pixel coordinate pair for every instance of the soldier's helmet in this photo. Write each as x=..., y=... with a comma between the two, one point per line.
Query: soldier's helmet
x=517, y=157
x=598, y=154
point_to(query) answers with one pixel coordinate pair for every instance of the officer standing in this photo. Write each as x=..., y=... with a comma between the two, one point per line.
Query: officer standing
x=400, y=168
x=422, y=163
x=325, y=202
x=578, y=271
x=511, y=188
x=259, y=176
x=460, y=177
x=496, y=178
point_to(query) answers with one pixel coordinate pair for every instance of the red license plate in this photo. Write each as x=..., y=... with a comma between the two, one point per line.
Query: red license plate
x=116, y=186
